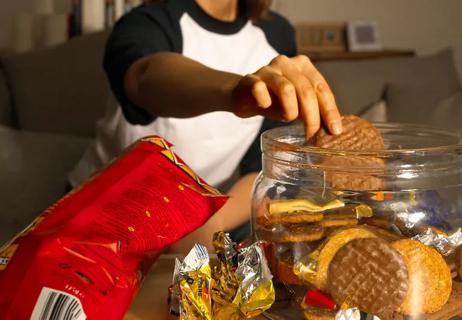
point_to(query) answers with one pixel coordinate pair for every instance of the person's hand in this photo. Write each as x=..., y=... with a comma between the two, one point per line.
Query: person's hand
x=287, y=89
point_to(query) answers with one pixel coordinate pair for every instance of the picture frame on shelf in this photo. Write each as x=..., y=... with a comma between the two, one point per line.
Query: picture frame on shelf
x=363, y=36
x=321, y=37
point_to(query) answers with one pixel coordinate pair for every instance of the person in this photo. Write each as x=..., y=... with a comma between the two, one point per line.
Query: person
x=204, y=74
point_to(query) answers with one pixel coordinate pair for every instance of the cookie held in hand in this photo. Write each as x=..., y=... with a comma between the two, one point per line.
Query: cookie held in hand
x=345, y=172
x=358, y=135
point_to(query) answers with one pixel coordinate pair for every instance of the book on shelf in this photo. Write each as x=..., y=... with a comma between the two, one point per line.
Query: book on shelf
x=76, y=18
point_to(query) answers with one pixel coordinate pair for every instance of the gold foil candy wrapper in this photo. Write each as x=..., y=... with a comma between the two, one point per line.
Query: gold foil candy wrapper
x=290, y=206
x=225, y=281
x=195, y=294
x=243, y=286
x=256, y=292
x=307, y=267
x=224, y=247
x=445, y=244
x=191, y=285
x=363, y=211
x=239, y=287
x=350, y=211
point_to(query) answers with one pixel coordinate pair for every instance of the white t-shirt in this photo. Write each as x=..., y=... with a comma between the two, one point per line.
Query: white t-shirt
x=212, y=144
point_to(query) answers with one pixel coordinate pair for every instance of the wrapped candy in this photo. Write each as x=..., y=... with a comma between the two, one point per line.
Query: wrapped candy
x=243, y=281
x=256, y=291
x=225, y=279
x=241, y=285
x=348, y=314
x=192, y=280
x=445, y=244
x=317, y=298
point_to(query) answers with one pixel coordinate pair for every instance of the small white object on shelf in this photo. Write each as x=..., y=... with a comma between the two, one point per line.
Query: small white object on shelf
x=363, y=36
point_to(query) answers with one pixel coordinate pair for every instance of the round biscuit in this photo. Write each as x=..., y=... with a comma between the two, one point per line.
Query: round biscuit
x=330, y=248
x=358, y=134
x=332, y=223
x=370, y=275
x=430, y=282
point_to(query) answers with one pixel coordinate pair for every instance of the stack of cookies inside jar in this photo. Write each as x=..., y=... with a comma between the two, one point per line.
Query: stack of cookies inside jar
x=358, y=248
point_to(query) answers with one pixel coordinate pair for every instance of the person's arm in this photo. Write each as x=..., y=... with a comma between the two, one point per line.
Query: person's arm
x=171, y=85
x=234, y=213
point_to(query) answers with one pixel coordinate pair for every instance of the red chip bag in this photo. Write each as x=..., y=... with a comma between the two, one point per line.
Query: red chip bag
x=86, y=255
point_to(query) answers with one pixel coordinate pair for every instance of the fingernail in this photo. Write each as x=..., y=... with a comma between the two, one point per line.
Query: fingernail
x=336, y=127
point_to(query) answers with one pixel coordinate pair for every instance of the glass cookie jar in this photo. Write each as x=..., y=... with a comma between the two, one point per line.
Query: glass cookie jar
x=356, y=234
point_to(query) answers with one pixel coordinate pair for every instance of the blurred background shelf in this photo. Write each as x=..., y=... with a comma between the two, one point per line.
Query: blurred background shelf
x=357, y=55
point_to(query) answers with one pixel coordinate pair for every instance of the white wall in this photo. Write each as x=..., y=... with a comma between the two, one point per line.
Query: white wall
x=423, y=25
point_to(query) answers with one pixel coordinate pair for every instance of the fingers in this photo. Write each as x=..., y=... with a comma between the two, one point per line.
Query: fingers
x=251, y=96
x=326, y=100
x=283, y=89
x=328, y=108
x=261, y=94
x=290, y=88
x=307, y=100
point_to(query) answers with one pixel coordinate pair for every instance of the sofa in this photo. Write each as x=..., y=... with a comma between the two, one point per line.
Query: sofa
x=50, y=100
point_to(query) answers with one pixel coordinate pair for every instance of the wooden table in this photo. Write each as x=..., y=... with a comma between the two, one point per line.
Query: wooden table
x=151, y=301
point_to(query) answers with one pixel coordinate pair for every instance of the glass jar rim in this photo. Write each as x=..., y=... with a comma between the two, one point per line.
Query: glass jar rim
x=273, y=140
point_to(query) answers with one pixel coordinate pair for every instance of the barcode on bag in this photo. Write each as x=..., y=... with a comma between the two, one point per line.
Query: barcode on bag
x=53, y=304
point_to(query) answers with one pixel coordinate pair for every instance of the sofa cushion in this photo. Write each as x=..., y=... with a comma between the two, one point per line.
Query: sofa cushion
x=357, y=84
x=448, y=113
x=61, y=89
x=420, y=104
x=377, y=112
x=5, y=101
x=33, y=170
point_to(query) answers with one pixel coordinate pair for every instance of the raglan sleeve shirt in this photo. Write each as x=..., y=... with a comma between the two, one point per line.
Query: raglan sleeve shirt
x=152, y=29
x=138, y=34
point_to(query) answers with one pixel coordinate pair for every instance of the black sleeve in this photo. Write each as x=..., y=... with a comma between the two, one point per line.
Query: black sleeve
x=145, y=30
x=280, y=33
